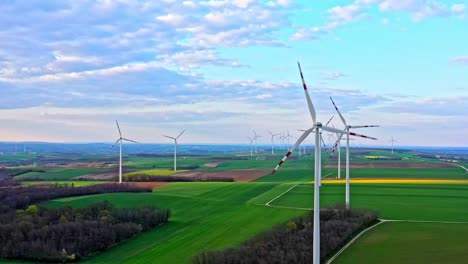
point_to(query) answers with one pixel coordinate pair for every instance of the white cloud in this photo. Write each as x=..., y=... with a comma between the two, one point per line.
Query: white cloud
x=345, y=13
x=460, y=60
x=172, y=19
x=458, y=8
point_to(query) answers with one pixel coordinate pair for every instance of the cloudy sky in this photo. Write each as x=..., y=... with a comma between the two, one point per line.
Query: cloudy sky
x=219, y=69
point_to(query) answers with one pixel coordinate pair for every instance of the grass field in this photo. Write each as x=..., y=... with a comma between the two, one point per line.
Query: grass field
x=218, y=215
x=204, y=216
x=154, y=172
x=75, y=183
x=59, y=173
x=415, y=202
x=412, y=243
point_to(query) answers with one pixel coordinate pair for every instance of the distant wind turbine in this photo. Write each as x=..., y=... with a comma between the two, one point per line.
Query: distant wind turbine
x=256, y=136
x=251, y=146
x=392, y=141
x=120, y=141
x=272, y=141
x=175, y=148
x=348, y=133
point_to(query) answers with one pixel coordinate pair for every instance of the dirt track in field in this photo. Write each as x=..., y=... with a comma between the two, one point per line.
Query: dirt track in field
x=393, y=165
x=236, y=175
x=213, y=164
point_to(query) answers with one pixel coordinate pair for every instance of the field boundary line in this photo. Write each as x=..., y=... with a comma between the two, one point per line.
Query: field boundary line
x=352, y=241
x=423, y=221
x=466, y=170
x=382, y=221
x=272, y=200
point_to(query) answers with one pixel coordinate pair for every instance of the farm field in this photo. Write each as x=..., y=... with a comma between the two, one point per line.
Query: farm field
x=403, y=242
x=420, y=202
x=74, y=183
x=59, y=173
x=216, y=215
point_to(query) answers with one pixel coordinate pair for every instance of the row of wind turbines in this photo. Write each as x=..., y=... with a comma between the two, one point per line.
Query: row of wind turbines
x=121, y=139
x=318, y=129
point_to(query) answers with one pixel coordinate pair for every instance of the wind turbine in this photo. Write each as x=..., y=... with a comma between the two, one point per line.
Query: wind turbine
x=272, y=141
x=255, y=138
x=251, y=147
x=120, y=140
x=392, y=141
x=288, y=136
x=175, y=148
x=316, y=128
x=347, y=127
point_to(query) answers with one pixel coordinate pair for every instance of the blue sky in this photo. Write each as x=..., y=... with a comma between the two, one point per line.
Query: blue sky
x=219, y=69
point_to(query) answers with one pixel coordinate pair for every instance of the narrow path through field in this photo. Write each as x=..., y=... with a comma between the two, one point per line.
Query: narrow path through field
x=466, y=170
x=351, y=242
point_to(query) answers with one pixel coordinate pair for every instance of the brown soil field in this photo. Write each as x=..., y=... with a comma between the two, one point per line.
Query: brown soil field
x=213, y=164
x=237, y=175
x=392, y=165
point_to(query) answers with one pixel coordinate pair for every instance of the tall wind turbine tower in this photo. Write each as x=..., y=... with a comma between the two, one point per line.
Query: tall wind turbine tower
x=175, y=148
x=317, y=127
x=120, y=140
x=392, y=141
x=256, y=136
x=251, y=146
x=272, y=141
x=347, y=128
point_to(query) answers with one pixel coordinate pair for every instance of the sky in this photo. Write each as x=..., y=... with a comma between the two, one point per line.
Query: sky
x=220, y=69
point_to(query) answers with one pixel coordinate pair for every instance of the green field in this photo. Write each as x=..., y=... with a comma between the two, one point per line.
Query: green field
x=58, y=173
x=204, y=216
x=75, y=183
x=412, y=243
x=419, y=202
x=221, y=214
x=154, y=172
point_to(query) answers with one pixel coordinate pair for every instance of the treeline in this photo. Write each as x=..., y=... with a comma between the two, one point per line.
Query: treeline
x=18, y=197
x=174, y=178
x=292, y=242
x=66, y=234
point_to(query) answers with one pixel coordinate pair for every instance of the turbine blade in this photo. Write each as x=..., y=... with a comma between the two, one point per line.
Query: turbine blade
x=323, y=142
x=180, y=134
x=359, y=135
x=336, y=143
x=329, y=120
x=118, y=127
x=339, y=113
x=169, y=137
x=309, y=101
x=129, y=140
x=298, y=142
x=117, y=141
x=363, y=126
x=334, y=130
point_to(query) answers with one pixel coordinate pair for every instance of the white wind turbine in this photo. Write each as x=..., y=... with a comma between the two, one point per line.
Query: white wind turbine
x=288, y=136
x=175, y=148
x=251, y=146
x=255, y=139
x=392, y=141
x=317, y=128
x=347, y=127
x=120, y=140
x=272, y=141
